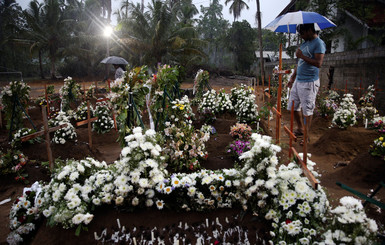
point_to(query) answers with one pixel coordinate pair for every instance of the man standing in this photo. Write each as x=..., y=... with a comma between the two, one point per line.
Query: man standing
x=304, y=82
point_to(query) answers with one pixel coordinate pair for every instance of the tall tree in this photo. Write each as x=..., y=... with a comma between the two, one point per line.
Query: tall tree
x=212, y=28
x=163, y=33
x=261, y=61
x=240, y=40
x=11, y=31
x=236, y=7
x=33, y=16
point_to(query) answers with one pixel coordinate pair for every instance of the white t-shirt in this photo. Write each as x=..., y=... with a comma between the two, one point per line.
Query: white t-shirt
x=119, y=73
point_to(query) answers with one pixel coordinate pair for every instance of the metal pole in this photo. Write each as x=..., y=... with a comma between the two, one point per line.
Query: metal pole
x=108, y=54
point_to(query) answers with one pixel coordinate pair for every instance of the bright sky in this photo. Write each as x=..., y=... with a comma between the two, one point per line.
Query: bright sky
x=269, y=9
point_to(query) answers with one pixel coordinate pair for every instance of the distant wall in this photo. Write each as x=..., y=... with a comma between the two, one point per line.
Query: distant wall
x=352, y=67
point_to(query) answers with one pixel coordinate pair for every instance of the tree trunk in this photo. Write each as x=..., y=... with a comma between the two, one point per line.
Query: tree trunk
x=53, y=76
x=41, y=66
x=260, y=42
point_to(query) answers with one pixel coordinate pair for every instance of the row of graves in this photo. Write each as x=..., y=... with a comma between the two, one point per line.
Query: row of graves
x=163, y=137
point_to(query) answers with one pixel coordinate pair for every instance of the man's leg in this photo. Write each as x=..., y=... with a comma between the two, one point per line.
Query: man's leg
x=307, y=122
x=298, y=120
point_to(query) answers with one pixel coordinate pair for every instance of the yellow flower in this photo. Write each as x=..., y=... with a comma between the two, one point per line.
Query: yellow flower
x=181, y=107
x=381, y=138
x=383, y=144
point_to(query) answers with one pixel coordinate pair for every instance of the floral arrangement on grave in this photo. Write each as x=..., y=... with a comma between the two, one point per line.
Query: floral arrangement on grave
x=237, y=147
x=298, y=211
x=377, y=123
x=23, y=214
x=327, y=103
x=345, y=116
x=201, y=81
x=183, y=143
x=378, y=148
x=368, y=97
x=90, y=93
x=16, y=138
x=164, y=89
x=274, y=84
x=13, y=162
x=243, y=100
x=81, y=113
x=104, y=123
x=69, y=93
x=61, y=136
x=224, y=102
x=259, y=173
x=133, y=82
x=208, y=106
x=69, y=196
x=15, y=97
x=53, y=99
x=139, y=179
x=208, y=129
x=350, y=225
x=367, y=111
x=241, y=133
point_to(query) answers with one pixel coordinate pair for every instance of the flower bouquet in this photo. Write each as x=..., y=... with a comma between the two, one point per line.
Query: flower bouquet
x=345, y=116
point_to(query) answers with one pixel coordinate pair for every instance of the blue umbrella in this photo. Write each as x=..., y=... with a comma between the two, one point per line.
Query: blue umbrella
x=288, y=22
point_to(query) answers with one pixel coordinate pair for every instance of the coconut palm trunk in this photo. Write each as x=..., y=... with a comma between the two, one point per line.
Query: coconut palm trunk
x=260, y=41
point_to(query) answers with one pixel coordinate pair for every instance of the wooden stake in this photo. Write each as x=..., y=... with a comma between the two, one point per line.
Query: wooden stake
x=278, y=119
x=346, y=87
x=305, y=140
x=46, y=98
x=47, y=138
x=305, y=170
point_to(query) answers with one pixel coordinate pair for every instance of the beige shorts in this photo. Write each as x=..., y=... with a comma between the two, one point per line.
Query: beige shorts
x=303, y=94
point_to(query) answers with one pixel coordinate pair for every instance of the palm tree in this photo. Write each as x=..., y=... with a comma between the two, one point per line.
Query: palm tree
x=236, y=7
x=48, y=28
x=33, y=16
x=163, y=33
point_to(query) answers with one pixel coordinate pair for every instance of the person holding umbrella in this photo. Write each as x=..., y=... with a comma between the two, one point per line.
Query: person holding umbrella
x=304, y=82
x=119, y=71
x=118, y=62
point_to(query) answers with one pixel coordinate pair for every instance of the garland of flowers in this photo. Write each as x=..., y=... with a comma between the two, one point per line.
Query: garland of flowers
x=201, y=79
x=81, y=112
x=104, y=123
x=208, y=106
x=345, y=116
x=327, y=105
x=185, y=145
x=367, y=111
x=133, y=82
x=23, y=214
x=166, y=80
x=66, y=133
x=13, y=162
x=69, y=92
x=243, y=100
x=16, y=139
x=15, y=90
x=224, y=102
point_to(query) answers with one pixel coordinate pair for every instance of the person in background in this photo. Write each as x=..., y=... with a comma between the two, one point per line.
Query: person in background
x=119, y=71
x=304, y=82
